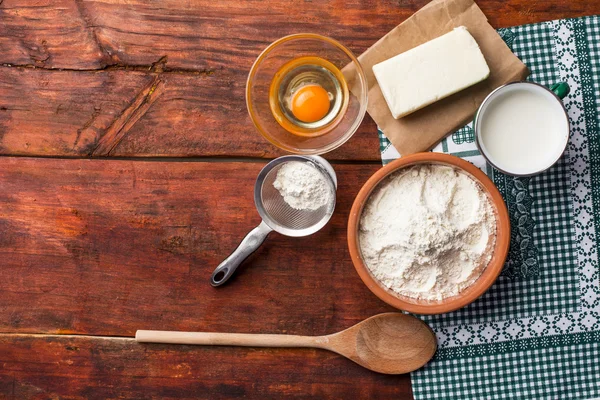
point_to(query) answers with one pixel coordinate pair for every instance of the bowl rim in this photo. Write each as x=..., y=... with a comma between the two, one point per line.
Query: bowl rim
x=489, y=274
x=359, y=72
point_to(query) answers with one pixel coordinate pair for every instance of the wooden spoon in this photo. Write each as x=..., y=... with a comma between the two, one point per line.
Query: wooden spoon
x=390, y=343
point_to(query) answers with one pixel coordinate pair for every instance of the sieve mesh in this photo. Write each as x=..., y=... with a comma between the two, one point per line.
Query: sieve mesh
x=284, y=215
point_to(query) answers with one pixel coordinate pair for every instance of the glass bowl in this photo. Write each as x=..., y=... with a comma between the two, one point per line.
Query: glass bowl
x=281, y=53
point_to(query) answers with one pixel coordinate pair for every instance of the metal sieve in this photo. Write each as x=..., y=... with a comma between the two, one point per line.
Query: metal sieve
x=277, y=215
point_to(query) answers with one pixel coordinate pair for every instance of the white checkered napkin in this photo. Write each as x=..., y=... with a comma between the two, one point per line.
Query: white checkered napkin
x=536, y=333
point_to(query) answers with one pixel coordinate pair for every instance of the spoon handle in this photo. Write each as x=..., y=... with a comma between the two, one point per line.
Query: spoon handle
x=230, y=339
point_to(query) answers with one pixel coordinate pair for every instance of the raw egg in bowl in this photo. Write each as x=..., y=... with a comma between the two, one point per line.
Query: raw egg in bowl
x=306, y=94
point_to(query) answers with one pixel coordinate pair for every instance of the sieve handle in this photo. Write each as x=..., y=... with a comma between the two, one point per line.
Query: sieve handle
x=249, y=244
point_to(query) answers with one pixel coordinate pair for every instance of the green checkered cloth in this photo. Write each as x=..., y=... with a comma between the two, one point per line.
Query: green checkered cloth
x=536, y=333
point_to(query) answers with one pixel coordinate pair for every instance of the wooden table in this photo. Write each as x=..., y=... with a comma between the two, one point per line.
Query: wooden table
x=126, y=176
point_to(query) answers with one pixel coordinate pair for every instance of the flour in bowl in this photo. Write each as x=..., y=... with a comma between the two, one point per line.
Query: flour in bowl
x=302, y=186
x=426, y=232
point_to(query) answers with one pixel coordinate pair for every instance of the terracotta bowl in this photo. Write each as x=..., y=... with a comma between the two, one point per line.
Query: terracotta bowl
x=490, y=273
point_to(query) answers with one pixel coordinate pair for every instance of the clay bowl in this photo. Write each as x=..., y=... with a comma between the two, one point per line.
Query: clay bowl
x=499, y=250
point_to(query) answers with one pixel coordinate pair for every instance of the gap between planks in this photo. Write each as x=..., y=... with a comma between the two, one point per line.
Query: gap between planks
x=120, y=67
x=67, y=336
x=194, y=159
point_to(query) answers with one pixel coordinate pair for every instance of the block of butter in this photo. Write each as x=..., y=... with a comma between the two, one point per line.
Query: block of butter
x=431, y=71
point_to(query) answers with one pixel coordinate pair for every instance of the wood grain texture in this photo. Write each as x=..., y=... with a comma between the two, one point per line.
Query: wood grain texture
x=389, y=343
x=204, y=51
x=137, y=114
x=61, y=112
x=228, y=35
x=107, y=247
x=183, y=123
x=47, y=34
x=52, y=367
x=219, y=36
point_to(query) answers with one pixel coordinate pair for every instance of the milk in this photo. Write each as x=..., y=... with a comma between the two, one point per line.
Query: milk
x=523, y=129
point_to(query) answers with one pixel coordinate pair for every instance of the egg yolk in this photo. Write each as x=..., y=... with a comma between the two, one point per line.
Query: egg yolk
x=310, y=103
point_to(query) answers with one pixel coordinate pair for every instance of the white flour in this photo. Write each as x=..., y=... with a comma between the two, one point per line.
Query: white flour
x=425, y=232
x=302, y=186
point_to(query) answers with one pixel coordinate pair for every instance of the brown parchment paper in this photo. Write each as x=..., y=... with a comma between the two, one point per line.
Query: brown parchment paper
x=423, y=129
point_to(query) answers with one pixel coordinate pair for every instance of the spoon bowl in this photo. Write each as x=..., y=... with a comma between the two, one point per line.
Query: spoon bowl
x=390, y=343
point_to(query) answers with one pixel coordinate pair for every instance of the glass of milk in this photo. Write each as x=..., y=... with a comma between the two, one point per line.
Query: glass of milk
x=522, y=128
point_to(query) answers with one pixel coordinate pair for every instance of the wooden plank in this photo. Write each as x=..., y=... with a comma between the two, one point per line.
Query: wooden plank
x=106, y=247
x=62, y=112
x=135, y=113
x=204, y=50
x=47, y=34
x=222, y=35
x=218, y=36
x=80, y=368
x=206, y=115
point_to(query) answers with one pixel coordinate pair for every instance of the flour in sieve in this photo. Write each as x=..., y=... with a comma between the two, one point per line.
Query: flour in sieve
x=302, y=186
x=426, y=231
